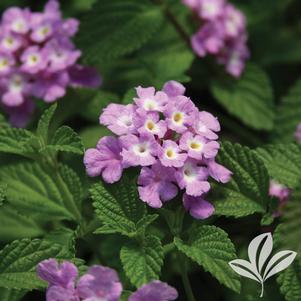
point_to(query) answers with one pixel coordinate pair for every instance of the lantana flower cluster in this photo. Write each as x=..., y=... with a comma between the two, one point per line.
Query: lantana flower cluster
x=99, y=283
x=280, y=192
x=175, y=144
x=222, y=33
x=38, y=59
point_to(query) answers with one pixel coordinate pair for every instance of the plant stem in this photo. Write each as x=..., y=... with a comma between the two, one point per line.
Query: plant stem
x=186, y=283
x=173, y=20
x=262, y=289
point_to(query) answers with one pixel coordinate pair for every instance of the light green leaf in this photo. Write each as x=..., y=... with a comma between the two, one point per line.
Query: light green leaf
x=90, y=135
x=211, y=248
x=39, y=191
x=282, y=162
x=288, y=115
x=118, y=206
x=247, y=192
x=249, y=98
x=44, y=122
x=19, y=259
x=123, y=25
x=17, y=141
x=65, y=140
x=142, y=262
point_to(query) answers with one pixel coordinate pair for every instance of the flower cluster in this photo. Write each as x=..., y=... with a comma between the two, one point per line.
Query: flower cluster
x=222, y=33
x=173, y=142
x=38, y=59
x=298, y=133
x=99, y=283
x=280, y=192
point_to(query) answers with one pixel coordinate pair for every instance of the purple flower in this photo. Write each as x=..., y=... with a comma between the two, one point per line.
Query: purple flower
x=10, y=42
x=154, y=291
x=198, y=147
x=170, y=154
x=206, y=125
x=173, y=88
x=81, y=76
x=150, y=123
x=34, y=60
x=298, y=133
x=234, y=21
x=193, y=177
x=150, y=100
x=139, y=150
x=180, y=114
x=58, y=293
x=6, y=63
x=63, y=274
x=119, y=118
x=16, y=20
x=197, y=206
x=99, y=283
x=18, y=87
x=210, y=9
x=218, y=172
x=157, y=185
x=105, y=160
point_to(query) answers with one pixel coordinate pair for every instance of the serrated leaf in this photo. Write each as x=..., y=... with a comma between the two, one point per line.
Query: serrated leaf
x=65, y=140
x=288, y=115
x=211, y=248
x=19, y=259
x=40, y=191
x=282, y=162
x=14, y=225
x=142, y=262
x=247, y=192
x=44, y=122
x=249, y=98
x=123, y=25
x=118, y=206
x=17, y=141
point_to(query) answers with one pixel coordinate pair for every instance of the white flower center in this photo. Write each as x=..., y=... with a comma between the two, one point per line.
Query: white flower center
x=16, y=83
x=178, y=118
x=9, y=42
x=141, y=149
x=170, y=153
x=189, y=173
x=125, y=120
x=44, y=31
x=150, y=104
x=18, y=25
x=33, y=59
x=210, y=8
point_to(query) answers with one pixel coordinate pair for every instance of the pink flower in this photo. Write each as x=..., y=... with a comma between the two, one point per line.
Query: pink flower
x=150, y=123
x=157, y=185
x=16, y=20
x=198, y=147
x=149, y=100
x=139, y=150
x=210, y=9
x=105, y=160
x=193, y=177
x=173, y=88
x=197, y=206
x=218, y=172
x=154, y=291
x=206, y=125
x=180, y=114
x=34, y=60
x=170, y=154
x=7, y=62
x=118, y=118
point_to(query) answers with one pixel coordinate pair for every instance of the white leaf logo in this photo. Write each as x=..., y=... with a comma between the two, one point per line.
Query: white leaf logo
x=259, y=267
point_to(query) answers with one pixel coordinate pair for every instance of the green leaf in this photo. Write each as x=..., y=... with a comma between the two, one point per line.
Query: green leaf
x=11, y=295
x=123, y=25
x=118, y=206
x=249, y=98
x=90, y=135
x=211, y=248
x=282, y=162
x=247, y=192
x=66, y=140
x=17, y=141
x=44, y=122
x=14, y=225
x=19, y=259
x=40, y=191
x=288, y=115
x=142, y=262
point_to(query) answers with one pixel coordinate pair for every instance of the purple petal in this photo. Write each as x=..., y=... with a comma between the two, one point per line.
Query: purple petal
x=197, y=207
